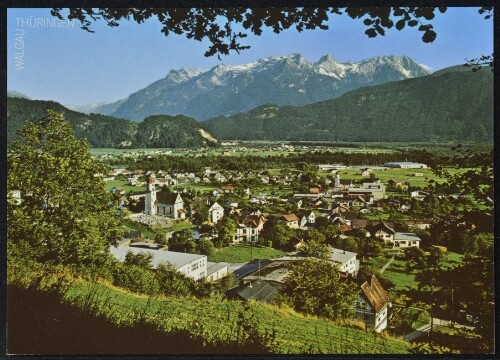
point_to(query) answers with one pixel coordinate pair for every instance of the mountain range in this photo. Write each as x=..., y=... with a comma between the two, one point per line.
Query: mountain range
x=454, y=104
x=231, y=89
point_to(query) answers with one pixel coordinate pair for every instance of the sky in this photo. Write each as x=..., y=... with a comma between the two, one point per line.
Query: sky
x=71, y=66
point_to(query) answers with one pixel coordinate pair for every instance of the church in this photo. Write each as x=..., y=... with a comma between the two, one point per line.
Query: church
x=163, y=203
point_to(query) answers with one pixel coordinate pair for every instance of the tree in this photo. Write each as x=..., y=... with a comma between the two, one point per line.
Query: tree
x=316, y=249
x=205, y=246
x=182, y=241
x=415, y=258
x=314, y=287
x=142, y=259
x=200, y=208
x=226, y=229
x=66, y=216
x=278, y=233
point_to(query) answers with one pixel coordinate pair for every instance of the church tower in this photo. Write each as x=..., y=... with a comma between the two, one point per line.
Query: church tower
x=150, y=199
x=337, y=180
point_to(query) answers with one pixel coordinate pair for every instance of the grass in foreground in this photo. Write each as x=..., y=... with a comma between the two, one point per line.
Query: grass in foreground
x=244, y=253
x=215, y=320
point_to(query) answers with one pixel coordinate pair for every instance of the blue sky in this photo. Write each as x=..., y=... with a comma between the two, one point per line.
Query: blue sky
x=75, y=67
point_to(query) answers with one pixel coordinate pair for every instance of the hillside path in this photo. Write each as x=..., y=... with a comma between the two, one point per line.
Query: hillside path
x=387, y=265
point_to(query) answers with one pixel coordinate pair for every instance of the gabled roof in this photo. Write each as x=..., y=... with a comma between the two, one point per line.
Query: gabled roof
x=381, y=226
x=375, y=293
x=290, y=217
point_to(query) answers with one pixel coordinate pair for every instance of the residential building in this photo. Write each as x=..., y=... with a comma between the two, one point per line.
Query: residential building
x=406, y=239
x=372, y=305
x=291, y=220
x=346, y=261
x=248, y=228
x=215, y=212
x=381, y=230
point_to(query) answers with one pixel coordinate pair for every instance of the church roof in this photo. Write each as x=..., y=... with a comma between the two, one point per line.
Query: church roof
x=164, y=197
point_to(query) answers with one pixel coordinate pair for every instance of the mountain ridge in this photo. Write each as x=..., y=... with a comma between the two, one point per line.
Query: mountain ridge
x=283, y=79
x=454, y=105
x=106, y=131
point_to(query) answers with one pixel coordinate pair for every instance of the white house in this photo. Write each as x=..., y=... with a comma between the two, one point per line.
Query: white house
x=419, y=195
x=382, y=231
x=406, y=239
x=215, y=212
x=248, y=228
x=16, y=197
x=291, y=220
x=346, y=261
x=191, y=265
x=372, y=305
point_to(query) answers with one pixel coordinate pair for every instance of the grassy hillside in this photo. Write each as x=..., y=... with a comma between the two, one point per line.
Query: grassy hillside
x=451, y=105
x=206, y=326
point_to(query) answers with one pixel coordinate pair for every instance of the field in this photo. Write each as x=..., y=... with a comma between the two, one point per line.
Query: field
x=124, y=185
x=403, y=175
x=402, y=278
x=243, y=253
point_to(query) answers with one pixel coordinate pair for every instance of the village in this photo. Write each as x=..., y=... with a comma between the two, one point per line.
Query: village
x=211, y=225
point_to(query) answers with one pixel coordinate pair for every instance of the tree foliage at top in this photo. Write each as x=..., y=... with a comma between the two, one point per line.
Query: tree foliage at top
x=224, y=28
x=65, y=215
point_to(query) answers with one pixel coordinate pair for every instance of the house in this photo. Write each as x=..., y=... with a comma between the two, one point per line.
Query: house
x=216, y=271
x=163, y=203
x=15, y=197
x=314, y=190
x=215, y=212
x=346, y=261
x=306, y=218
x=291, y=220
x=295, y=201
x=227, y=189
x=191, y=265
x=381, y=230
x=419, y=195
x=419, y=224
x=248, y=228
x=395, y=182
x=406, y=239
x=372, y=305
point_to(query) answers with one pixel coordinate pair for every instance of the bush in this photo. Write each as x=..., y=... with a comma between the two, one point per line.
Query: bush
x=136, y=279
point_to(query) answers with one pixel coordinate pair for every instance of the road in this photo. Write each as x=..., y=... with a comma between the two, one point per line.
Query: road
x=241, y=270
x=427, y=327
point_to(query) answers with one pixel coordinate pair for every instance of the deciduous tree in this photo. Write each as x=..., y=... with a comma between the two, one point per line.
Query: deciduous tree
x=65, y=216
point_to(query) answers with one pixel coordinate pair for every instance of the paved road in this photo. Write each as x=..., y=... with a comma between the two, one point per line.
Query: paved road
x=241, y=270
x=437, y=322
